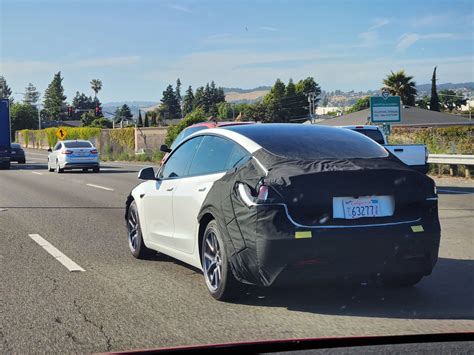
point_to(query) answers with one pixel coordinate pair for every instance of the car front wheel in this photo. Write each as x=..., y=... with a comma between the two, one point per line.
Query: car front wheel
x=135, y=239
x=218, y=275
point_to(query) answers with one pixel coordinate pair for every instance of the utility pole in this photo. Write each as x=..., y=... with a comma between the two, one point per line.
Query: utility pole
x=311, y=108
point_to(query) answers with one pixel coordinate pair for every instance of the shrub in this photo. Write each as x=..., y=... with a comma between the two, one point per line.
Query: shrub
x=194, y=117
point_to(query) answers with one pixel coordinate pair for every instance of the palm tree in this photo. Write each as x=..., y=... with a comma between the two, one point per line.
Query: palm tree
x=402, y=85
x=96, y=85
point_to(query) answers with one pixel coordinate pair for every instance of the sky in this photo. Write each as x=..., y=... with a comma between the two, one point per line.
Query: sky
x=138, y=47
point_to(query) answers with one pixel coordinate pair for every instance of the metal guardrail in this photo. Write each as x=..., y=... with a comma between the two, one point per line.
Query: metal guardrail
x=451, y=159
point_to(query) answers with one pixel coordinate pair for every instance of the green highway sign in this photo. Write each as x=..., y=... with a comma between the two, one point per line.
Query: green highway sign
x=385, y=109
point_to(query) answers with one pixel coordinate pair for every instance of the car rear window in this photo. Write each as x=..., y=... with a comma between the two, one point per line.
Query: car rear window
x=374, y=134
x=77, y=144
x=311, y=142
x=16, y=146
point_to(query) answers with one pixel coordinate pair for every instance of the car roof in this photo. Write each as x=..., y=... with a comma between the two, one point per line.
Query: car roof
x=76, y=140
x=212, y=124
x=372, y=127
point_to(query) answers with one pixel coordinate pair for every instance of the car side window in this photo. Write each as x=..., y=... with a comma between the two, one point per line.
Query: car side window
x=57, y=146
x=215, y=154
x=177, y=165
x=237, y=157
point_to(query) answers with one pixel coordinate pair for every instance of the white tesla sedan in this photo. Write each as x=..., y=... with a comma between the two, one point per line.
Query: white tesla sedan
x=254, y=204
x=73, y=154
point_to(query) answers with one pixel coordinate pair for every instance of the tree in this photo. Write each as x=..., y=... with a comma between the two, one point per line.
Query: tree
x=23, y=116
x=96, y=86
x=224, y=111
x=424, y=102
x=169, y=99
x=154, y=122
x=54, y=98
x=87, y=118
x=172, y=132
x=145, y=122
x=188, y=101
x=360, y=105
x=140, y=120
x=290, y=91
x=400, y=84
x=450, y=100
x=82, y=103
x=434, y=101
x=101, y=122
x=122, y=113
x=31, y=95
x=178, y=91
x=5, y=91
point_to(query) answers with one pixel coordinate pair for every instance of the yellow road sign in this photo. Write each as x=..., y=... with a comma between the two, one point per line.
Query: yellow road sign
x=61, y=133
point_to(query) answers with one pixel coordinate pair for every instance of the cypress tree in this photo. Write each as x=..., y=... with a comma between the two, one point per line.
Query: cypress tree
x=146, y=124
x=434, y=101
x=140, y=121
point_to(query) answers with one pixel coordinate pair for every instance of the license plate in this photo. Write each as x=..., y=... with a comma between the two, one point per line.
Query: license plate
x=362, y=207
x=81, y=154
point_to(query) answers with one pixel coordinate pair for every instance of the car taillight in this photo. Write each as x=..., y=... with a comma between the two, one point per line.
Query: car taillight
x=66, y=152
x=94, y=151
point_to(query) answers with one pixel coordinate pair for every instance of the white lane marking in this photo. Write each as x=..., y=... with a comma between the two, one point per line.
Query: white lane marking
x=56, y=253
x=100, y=187
x=456, y=192
x=37, y=173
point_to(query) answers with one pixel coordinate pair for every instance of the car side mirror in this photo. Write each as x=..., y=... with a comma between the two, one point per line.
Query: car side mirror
x=50, y=150
x=164, y=148
x=147, y=174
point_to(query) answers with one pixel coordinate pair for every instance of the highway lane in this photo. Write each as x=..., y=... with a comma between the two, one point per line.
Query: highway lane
x=121, y=303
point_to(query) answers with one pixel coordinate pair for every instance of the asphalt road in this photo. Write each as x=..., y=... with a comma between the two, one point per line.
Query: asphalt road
x=121, y=303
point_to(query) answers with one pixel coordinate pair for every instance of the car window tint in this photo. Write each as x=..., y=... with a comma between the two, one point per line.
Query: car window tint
x=212, y=156
x=16, y=146
x=237, y=157
x=185, y=133
x=375, y=134
x=77, y=144
x=177, y=164
x=57, y=146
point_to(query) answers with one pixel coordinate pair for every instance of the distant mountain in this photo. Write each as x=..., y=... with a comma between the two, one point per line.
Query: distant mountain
x=447, y=86
x=244, y=91
x=109, y=108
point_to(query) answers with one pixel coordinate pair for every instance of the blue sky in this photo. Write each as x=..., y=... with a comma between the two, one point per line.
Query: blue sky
x=137, y=47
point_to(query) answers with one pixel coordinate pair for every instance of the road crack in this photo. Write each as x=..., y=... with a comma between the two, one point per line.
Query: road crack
x=100, y=327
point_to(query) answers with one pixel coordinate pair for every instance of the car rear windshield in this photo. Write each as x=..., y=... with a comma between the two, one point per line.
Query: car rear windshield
x=309, y=142
x=77, y=145
x=16, y=146
x=374, y=134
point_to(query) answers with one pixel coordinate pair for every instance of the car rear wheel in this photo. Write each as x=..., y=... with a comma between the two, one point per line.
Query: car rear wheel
x=399, y=281
x=50, y=169
x=58, y=168
x=84, y=170
x=220, y=280
x=135, y=239
x=22, y=161
x=96, y=169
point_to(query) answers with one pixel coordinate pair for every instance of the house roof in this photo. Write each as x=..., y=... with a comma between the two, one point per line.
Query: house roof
x=411, y=116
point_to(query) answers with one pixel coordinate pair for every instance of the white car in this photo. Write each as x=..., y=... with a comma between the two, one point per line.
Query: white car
x=73, y=154
x=252, y=204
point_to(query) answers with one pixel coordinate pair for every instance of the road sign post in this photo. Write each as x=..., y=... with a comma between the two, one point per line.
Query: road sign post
x=385, y=108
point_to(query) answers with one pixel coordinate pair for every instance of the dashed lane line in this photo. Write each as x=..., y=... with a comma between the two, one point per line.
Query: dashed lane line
x=100, y=187
x=56, y=253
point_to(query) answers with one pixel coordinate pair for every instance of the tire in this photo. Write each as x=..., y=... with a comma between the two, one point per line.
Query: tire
x=23, y=161
x=218, y=276
x=5, y=166
x=58, y=168
x=135, y=240
x=85, y=170
x=49, y=168
x=96, y=169
x=400, y=281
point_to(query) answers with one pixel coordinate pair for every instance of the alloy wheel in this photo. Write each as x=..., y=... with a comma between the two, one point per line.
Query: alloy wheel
x=212, y=261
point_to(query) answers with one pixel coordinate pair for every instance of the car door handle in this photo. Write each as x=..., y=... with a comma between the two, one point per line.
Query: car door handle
x=170, y=189
x=202, y=189
x=398, y=149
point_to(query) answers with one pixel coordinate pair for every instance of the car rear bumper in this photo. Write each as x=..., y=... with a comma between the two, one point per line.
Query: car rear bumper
x=274, y=248
x=80, y=165
x=19, y=157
